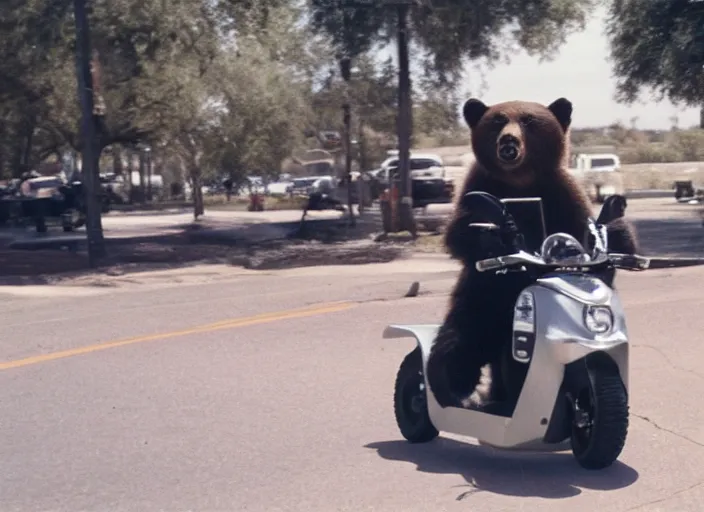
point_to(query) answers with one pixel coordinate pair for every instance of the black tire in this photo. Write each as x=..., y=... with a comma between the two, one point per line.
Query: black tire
x=410, y=404
x=606, y=401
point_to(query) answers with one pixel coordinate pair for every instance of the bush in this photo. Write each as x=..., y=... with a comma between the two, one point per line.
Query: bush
x=649, y=153
x=239, y=203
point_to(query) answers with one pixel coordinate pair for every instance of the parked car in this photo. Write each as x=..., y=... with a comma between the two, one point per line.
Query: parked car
x=429, y=181
x=46, y=197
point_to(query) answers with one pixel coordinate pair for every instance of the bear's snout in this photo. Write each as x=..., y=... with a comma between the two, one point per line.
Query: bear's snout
x=509, y=148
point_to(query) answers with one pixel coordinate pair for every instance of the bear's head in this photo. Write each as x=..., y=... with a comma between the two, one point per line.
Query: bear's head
x=518, y=142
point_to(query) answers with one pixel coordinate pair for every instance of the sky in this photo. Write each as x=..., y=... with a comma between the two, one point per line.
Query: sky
x=581, y=73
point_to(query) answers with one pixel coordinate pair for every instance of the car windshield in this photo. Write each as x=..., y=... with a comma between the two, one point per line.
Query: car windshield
x=603, y=162
x=304, y=182
x=419, y=164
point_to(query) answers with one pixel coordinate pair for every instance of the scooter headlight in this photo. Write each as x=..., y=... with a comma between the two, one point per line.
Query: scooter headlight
x=524, y=313
x=524, y=327
x=598, y=319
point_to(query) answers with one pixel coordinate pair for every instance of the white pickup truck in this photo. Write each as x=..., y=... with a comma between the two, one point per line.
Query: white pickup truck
x=599, y=173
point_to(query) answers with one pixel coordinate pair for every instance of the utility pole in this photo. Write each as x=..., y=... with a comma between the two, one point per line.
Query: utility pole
x=404, y=120
x=405, y=123
x=89, y=136
x=346, y=71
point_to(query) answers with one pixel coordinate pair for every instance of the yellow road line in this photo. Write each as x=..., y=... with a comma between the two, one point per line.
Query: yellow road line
x=226, y=324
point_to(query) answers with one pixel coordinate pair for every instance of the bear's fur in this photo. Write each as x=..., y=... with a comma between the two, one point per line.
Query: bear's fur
x=477, y=328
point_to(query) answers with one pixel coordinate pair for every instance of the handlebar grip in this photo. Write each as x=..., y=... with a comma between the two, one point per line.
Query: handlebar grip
x=489, y=264
x=630, y=261
x=484, y=225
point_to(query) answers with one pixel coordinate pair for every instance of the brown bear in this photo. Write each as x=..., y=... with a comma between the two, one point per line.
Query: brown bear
x=520, y=149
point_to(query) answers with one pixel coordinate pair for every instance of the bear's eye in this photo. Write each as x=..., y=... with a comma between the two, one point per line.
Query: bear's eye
x=499, y=120
x=527, y=120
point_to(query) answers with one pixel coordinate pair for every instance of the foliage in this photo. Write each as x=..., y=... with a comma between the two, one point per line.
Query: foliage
x=454, y=32
x=658, y=45
x=230, y=87
x=643, y=146
x=153, y=74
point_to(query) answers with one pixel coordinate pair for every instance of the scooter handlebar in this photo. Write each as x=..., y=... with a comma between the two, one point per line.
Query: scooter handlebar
x=622, y=261
x=520, y=258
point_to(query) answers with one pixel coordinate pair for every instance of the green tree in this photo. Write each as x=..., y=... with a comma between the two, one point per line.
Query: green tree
x=231, y=121
x=450, y=32
x=658, y=45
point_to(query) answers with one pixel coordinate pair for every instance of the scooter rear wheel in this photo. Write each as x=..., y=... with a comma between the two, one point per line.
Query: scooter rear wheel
x=410, y=404
x=600, y=425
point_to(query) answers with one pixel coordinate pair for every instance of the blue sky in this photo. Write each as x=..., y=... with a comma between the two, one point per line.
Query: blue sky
x=582, y=73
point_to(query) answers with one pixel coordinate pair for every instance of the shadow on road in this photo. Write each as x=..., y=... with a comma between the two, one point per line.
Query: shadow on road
x=539, y=475
x=31, y=260
x=263, y=246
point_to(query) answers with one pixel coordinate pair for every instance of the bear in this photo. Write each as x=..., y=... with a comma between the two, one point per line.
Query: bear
x=520, y=149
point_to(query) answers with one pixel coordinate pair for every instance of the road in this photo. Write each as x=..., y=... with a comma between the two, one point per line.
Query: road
x=215, y=391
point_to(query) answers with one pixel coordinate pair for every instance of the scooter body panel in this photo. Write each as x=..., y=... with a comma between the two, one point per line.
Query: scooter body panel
x=561, y=338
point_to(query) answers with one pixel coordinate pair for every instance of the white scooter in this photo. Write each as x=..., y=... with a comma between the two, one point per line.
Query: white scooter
x=569, y=329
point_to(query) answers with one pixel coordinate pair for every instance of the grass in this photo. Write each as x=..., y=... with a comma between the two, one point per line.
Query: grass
x=637, y=176
x=635, y=179
x=238, y=203
x=430, y=242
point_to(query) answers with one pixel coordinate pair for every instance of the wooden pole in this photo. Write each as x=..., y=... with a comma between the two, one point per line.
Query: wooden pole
x=89, y=136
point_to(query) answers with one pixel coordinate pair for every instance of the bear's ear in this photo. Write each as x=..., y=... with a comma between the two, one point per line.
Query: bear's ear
x=473, y=111
x=562, y=110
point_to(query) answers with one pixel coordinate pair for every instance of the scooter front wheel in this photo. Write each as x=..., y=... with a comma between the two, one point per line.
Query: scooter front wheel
x=600, y=422
x=410, y=404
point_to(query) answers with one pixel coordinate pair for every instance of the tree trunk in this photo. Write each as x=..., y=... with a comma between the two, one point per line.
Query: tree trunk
x=17, y=168
x=363, y=158
x=149, y=176
x=348, y=158
x=404, y=126
x=130, y=171
x=30, y=128
x=117, y=166
x=142, y=165
x=89, y=136
x=198, y=207
x=701, y=118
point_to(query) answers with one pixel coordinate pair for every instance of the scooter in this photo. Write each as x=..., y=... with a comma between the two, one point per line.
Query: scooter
x=569, y=330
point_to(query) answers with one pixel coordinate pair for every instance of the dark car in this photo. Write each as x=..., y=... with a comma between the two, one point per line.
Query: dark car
x=429, y=185
x=42, y=198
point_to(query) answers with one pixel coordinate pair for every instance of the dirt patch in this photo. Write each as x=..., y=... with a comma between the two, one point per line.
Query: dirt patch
x=324, y=246
x=664, y=228
x=20, y=267
x=318, y=254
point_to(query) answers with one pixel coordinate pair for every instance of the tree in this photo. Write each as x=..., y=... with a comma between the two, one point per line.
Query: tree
x=658, y=45
x=230, y=120
x=450, y=32
x=143, y=65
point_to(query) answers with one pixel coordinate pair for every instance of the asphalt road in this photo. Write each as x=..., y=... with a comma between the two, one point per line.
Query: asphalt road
x=225, y=395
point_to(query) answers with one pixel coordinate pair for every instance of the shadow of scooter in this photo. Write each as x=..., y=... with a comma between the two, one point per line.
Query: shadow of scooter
x=519, y=474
